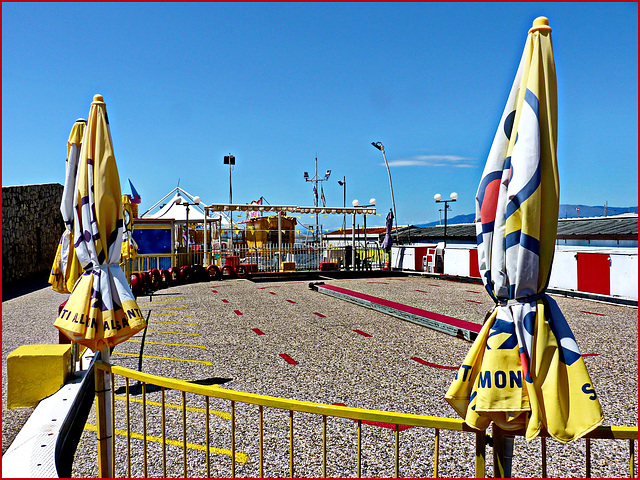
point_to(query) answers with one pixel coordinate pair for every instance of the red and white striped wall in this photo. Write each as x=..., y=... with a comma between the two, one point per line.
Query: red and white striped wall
x=597, y=270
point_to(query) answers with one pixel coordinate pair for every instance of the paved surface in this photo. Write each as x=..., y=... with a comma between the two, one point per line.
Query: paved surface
x=240, y=333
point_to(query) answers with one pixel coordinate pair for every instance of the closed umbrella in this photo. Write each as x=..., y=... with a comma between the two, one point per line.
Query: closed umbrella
x=525, y=370
x=101, y=311
x=66, y=267
x=387, y=242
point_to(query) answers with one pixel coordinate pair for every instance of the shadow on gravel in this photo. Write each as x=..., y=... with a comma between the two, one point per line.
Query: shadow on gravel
x=22, y=287
x=136, y=389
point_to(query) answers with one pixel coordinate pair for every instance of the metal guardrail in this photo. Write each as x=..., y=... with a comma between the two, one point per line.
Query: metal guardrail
x=107, y=438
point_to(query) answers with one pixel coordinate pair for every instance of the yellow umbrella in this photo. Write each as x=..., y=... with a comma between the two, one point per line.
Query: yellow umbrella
x=129, y=246
x=525, y=370
x=66, y=267
x=101, y=311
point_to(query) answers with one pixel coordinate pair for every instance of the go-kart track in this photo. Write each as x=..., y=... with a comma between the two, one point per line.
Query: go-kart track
x=285, y=339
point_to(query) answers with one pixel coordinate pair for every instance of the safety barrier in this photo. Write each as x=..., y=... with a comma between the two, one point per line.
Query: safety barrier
x=121, y=425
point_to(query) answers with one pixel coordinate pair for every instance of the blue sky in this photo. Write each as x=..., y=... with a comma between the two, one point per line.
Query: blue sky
x=277, y=84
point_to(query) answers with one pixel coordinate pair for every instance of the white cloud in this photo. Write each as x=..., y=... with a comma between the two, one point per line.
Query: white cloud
x=433, y=161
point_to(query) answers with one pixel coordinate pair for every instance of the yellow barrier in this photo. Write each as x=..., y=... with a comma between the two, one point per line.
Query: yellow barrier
x=106, y=440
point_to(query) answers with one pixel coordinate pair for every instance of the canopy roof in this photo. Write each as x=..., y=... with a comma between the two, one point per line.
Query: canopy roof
x=171, y=210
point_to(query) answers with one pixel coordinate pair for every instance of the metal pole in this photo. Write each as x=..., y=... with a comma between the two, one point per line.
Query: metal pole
x=188, y=234
x=395, y=217
x=280, y=239
x=446, y=206
x=353, y=242
x=230, y=211
x=316, y=199
x=364, y=262
x=205, y=261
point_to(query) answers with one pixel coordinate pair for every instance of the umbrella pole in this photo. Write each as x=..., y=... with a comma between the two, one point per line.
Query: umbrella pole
x=104, y=417
x=502, y=453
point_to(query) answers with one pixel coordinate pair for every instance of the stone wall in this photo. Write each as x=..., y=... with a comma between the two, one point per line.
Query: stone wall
x=31, y=228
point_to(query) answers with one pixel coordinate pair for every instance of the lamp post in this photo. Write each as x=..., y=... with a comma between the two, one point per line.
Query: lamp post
x=380, y=147
x=343, y=184
x=230, y=160
x=438, y=198
x=180, y=201
x=356, y=203
x=316, y=179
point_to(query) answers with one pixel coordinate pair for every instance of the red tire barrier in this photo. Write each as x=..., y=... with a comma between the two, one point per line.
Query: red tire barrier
x=165, y=278
x=136, y=285
x=175, y=275
x=186, y=274
x=156, y=277
x=241, y=271
x=228, y=271
x=214, y=272
x=200, y=273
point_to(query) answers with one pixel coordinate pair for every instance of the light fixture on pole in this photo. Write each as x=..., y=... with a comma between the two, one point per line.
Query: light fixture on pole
x=438, y=198
x=180, y=201
x=316, y=179
x=380, y=147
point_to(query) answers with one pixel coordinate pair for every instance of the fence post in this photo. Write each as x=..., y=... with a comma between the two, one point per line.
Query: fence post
x=103, y=421
x=502, y=453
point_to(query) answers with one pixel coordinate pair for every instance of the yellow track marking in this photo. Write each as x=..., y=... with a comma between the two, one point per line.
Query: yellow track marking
x=176, y=323
x=164, y=343
x=240, y=456
x=164, y=358
x=175, y=333
x=222, y=414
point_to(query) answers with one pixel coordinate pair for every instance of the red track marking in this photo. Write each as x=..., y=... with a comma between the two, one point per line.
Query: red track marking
x=438, y=317
x=380, y=424
x=433, y=285
x=590, y=354
x=319, y=314
x=272, y=293
x=422, y=291
x=238, y=312
x=224, y=300
x=288, y=359
x=473, y=301
x=214, y=291
x=434, y=365
x=290, y=301
x=258, y=331
x=362, y=333
x=593, y=313
x=473, y=291
x=383, y=283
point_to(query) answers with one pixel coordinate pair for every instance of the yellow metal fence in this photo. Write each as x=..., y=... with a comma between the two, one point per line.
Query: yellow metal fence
x=162, y=415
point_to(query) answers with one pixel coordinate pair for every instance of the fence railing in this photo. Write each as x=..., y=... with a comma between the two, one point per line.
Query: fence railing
x=268, y=257
x=237, y=419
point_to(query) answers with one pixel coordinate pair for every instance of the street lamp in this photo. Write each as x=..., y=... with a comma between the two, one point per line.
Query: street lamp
x=438, y=198
x=380, y=147
x=180, y=201
x=316, y=179
x=356, y=203
x=230, y=160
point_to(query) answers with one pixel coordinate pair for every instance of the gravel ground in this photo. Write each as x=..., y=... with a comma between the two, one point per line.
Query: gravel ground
x=335, y=365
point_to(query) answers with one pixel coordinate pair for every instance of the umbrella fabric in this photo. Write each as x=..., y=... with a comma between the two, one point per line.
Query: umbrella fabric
x=101, y=311
x=66, y=267
x=525, y=370
x=129, y=248
x=387, y=242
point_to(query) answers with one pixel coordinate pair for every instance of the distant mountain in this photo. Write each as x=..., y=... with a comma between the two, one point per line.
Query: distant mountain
x=565, y=211
x=574, y=211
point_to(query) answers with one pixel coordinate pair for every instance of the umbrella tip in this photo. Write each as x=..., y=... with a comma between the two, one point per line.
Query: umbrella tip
x=98, y=98
x=540, y=23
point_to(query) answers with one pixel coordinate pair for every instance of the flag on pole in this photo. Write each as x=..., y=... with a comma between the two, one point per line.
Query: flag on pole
x=315, y=194
x=324, y=201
